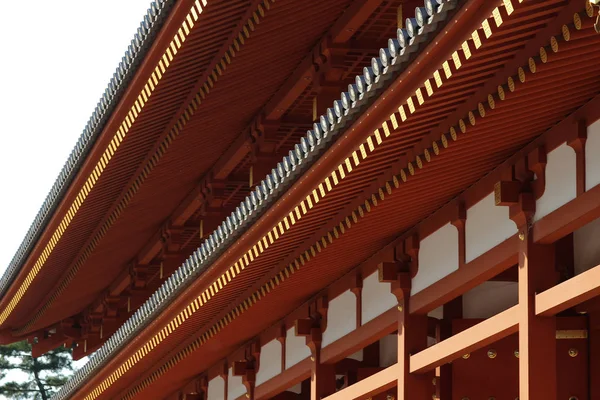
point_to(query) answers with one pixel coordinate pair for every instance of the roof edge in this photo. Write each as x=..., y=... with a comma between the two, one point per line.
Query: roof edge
x=149, y=27
x=329, y=127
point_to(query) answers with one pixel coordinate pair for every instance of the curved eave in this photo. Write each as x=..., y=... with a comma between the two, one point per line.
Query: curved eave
x=236, y=232
x=111, y=99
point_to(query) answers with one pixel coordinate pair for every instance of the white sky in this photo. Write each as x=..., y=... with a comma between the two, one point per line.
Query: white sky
x=57, y=57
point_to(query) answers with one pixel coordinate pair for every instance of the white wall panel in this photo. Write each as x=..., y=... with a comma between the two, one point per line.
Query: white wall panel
x=216, y=389
x=592, y=156
x=296, y=349
x=388, y=350
x=270, y=361
x=235, y=387
x=586, y=246
x=376, y=298
x=341, y=317
x=479, y=238
x=490, y=298
x=561, y=181
x=438, y=257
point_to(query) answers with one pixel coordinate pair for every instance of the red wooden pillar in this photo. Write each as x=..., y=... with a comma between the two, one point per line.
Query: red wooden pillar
x=594, y=335
x=452, y=310
x=322, y=378
x=537, y=335
x=412, y=338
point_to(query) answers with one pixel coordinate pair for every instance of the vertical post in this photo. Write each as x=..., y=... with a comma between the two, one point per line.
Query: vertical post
x=537, y=335
x=452, y=310
x=322, y=378
x=412, y=338
x=594, y=355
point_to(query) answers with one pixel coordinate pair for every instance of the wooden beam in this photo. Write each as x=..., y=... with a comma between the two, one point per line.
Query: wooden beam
x=368, y=387
x=288, y=378
x=361, y=337
x=568, y=218
x=474, y=273
x=489, y=331
x=570, y=293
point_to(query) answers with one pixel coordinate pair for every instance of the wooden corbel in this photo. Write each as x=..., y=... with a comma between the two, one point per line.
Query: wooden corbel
x=517, y=195
x=536, y=161
x=247, y=371
x=459, y=220
x=281, y=338
x=576, y=140
x=356, y=288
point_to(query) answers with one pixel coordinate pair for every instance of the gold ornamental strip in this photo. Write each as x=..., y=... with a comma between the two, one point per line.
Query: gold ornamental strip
x=110, y=150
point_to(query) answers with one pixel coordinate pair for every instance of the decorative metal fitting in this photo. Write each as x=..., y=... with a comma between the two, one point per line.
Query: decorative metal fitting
x=521, y=236
x=466, y=356
x=573, y=352
x=492, y=353
x=516, y=353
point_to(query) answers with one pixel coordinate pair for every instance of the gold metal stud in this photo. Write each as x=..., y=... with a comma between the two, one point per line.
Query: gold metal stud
x=516, y=353
x=400, y=308
x=573, y=352
x=521, y=236
x=492, y=353
x=466, y=356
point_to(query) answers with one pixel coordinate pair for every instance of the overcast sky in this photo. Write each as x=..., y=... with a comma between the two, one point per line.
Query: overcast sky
x=57, y=58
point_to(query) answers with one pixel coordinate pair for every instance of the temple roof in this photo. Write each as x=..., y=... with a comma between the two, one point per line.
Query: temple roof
x=136, y=51
x=360, y=96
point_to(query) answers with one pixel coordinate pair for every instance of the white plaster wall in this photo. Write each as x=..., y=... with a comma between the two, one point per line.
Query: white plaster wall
x=592, y=156
x=437, y=313
x=341, y=317
x=297, y=388
x=235, y=387
x=296, y=349
x=270, y=361
x=487, y=226
x=377, y=298
x=586, y=248
x=561, y=181
x=489, y=299
x=358, y=356
x=438, y=257
x=216, y=389
x=388, y=350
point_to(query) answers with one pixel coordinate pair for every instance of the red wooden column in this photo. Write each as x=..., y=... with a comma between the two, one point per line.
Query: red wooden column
x=537, y=335
x=452, y=310
x=412, y=338
x=322, y=378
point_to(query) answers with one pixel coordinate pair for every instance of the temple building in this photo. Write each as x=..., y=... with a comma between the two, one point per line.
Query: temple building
x=330, y=199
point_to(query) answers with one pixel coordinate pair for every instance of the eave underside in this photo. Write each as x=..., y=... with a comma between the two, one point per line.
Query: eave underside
x=488, y=141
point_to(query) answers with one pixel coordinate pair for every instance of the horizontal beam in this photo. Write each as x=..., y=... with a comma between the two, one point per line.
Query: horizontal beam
x=472, y=274
x=489, y=331
x=370, y=386
x=568, y=294
x=361, y=337
x=288, y=378
x=568, y=218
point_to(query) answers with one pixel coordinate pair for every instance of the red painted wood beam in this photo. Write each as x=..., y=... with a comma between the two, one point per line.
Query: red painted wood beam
x=565, y=295
x=368, y=387
x=284, y=381
x=474, y=273
x=303, y=75
x=352, y=19
x=372, y=331
x=492, y=329
x=568, y=218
